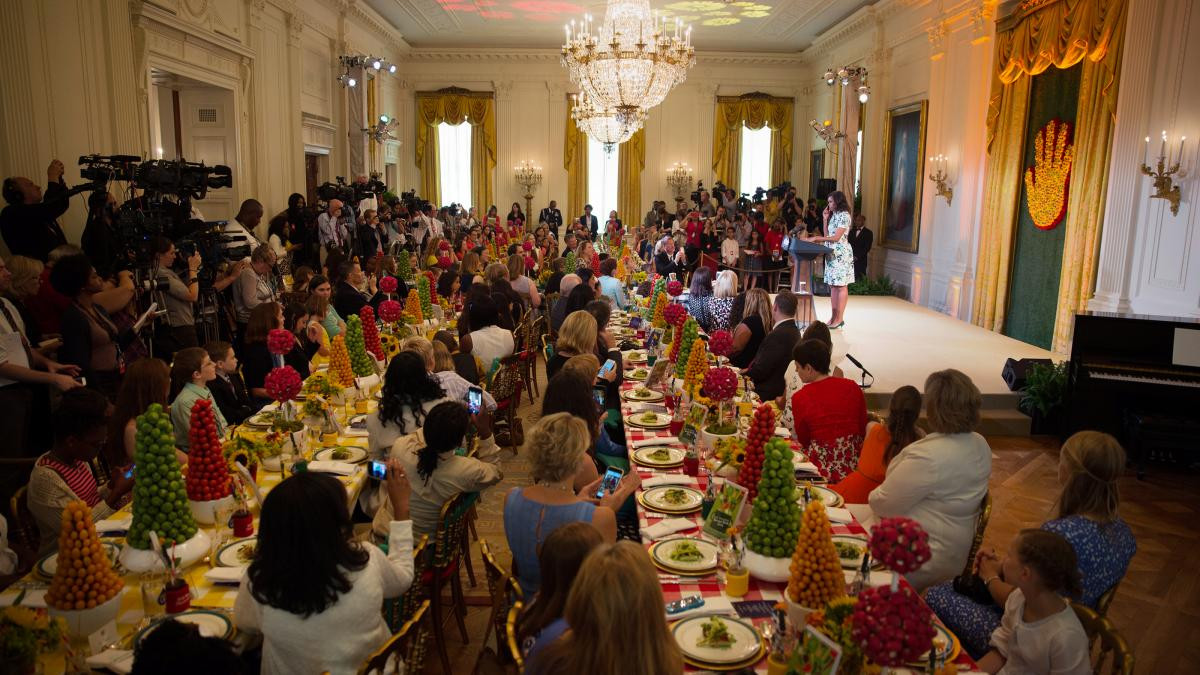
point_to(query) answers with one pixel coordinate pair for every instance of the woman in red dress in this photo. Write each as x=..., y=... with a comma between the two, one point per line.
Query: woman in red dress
x=830, y=413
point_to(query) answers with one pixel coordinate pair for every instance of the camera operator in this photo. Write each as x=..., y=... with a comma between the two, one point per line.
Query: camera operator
x=99, y=240
x=706, y=207
x=254, y=286
x=29, y=223
x=178, y=298
x=303, y=232
x=793, y=209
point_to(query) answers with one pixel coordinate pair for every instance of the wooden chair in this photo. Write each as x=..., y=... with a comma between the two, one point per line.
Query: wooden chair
x=1106, y=598
x=397, y=611
x=443, y=568
x=985, y=512
x=527, y=349
x=504, y=590
x=510, y=631
x=24, y=528
x=506, y=389
x=1114, y=649
x=406, y=647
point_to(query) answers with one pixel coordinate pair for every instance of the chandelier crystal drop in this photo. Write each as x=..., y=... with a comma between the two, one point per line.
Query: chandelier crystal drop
x=630, y=61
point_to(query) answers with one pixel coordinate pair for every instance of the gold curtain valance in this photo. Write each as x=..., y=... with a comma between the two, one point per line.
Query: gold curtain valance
x=754, y=111
x=455, y=106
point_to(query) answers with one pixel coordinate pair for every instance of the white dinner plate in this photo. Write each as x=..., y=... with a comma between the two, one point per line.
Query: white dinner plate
x=47, y=566
x=851, y=563
x=688, y=632
x=660, y=421
x=208, y=622
x=357, y=454
x=648, y=396
x=661, y=552
x=826, y=496
x=645, y=456
x=227, y=555
x=656, y=498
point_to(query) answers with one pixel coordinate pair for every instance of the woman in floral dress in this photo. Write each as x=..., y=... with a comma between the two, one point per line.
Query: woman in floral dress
x=839, y=265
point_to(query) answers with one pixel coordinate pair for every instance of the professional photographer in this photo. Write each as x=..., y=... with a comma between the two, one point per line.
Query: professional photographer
x=179, y=297
x=303, y=232
x=91, y=339
x=255, y=286
x=332, y=238
x=706, y=206
x=29, y=223
x=99, y=240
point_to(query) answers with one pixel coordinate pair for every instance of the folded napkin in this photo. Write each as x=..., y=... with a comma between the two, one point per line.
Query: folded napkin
x=116, y=660
x=783, y=432
x=878, y=577
x=340, y=468
x=357, y=433
x=35, y=598
x=658, y=440
x=366, y=382
x=643, y=407
x=838, y=515
x=225, y=575
x=120, y=524
x=668, y=479
x=716, y=604
x=9, y=597
x=806, y=467
x=667, y=526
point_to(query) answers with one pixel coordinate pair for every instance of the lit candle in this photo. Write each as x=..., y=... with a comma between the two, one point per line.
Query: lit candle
x=1181, y=141
x=1162, y=150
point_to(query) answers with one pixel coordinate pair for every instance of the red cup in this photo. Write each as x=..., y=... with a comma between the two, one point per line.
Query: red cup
x=179, y=597
x=691, y=464
x=676, y=427
x=243, y=524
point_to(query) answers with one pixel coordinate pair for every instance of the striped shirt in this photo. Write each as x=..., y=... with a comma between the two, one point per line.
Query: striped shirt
x=77, y=475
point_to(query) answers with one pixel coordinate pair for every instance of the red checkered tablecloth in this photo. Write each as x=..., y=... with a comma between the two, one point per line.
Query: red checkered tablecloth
x=709, y=587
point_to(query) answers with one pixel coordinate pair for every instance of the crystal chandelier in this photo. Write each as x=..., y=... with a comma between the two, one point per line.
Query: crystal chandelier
x=605, y=125
x=629, y=62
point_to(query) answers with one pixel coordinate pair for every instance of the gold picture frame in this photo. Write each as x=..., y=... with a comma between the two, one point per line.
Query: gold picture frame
x=903, y=177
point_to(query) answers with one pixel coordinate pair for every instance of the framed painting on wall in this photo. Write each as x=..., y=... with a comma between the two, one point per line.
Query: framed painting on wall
x=903, y=164
x=816, y=171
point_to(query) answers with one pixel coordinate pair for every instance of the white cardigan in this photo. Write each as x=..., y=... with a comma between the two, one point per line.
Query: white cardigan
x=340, y=638
x=939, y=481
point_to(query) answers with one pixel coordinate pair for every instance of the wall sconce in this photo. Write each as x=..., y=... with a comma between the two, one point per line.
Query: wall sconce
x=847, y=74
x=1164, y=184
x=826, y=131
x=679, y=178
x=940, y=175
x=351, y=62
x=528, y=175
x=382, y=130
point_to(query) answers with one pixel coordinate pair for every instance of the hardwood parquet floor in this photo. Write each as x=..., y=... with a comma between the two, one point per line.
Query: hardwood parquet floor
x=1157, y=607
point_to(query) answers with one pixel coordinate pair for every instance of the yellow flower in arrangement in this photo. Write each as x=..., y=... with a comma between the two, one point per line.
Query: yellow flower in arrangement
x=1046, y=180
x=412, y=306
x=391, y=345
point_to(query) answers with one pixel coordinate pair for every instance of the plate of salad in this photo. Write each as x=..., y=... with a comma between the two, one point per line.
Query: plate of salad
x=658, y=456
x=717, y=639
x=685, y=554
x=672, y=499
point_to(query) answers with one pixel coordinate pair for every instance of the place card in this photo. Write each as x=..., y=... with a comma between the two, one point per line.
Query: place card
x=103, y=637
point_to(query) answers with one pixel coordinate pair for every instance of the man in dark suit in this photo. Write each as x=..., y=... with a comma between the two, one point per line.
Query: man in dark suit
x=29, y=224
x=347, y=299
x=668, y=260
x=769, y=365
x=551, y=217
x=860, y=242
x=589, y=222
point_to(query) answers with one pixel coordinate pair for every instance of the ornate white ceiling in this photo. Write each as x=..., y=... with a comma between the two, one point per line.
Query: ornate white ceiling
x=734, y=25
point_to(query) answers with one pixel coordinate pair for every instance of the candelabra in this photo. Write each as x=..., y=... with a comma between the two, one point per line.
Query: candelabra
x=352, y=62
x=1163, y=174
x=679, y=178
x=941, y=177
x=847, y=74
x=826, y=131
x=528, y=176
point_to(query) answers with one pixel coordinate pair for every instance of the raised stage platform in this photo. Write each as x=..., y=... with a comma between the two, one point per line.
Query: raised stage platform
x=901, y=343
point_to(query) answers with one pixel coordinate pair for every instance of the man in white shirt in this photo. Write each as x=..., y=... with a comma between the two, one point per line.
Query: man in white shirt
x=329, y=232
x=23, y=374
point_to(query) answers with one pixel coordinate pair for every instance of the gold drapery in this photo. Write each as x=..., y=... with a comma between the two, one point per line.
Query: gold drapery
x=1060, y=33
x=630, y=162
x=575, y=161
x=455, y=106
x=754, y=111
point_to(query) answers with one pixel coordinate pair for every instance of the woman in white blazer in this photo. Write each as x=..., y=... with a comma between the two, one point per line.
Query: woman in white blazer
x=940, y=480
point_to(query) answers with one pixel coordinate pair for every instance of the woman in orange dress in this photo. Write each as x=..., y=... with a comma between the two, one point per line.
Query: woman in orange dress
x=883, y=442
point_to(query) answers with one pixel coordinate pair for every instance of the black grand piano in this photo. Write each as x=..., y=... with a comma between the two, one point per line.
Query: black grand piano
x=1137, y=377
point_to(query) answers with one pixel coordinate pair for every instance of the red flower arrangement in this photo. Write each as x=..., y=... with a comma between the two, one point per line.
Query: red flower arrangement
x=282, y=384
x=445, y=262
x=720, y=384
x=674, y=288
x=388, y=284
x=720, y=343
x=390, y=310
x=900, y=543
x=280, y=341
x=528, y=246
x=675, y=314
x=893, y=626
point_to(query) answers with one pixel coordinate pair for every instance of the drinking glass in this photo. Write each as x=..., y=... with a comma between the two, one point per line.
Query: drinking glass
x=152, y=584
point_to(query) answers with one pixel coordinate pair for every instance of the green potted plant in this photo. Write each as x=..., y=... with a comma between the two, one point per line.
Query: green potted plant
x=1044, y=396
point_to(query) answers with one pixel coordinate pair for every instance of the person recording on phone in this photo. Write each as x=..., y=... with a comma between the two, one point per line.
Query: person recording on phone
x=178, y=297
x=91, y=339
x=29, y=223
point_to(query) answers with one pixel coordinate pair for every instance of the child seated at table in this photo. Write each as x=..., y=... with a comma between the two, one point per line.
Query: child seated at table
x=228, y=388
x=191, y=371
x=1039, y=632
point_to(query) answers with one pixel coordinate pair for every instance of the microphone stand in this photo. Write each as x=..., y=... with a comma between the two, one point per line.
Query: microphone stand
x=865, y=373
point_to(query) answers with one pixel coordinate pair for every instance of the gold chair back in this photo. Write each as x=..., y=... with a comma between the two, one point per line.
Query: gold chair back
x=407, y=646
x=1106, y=598
x=985, y=512
x=1113, y=648
x=447, y=542
x=498, y=580
x=510, y=629
x=24, y=528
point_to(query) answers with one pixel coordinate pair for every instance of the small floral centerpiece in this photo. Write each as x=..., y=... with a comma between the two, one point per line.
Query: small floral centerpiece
x=24, y=634
x=890, y=623
x=730, y=451
x=835, y=620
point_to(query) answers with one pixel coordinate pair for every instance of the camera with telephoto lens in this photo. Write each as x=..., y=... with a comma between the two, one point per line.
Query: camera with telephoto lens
x=105, y=168
x=696, y=193
x=340, y=191
x=374, y=187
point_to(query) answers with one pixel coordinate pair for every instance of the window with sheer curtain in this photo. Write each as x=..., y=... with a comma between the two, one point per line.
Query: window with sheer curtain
x=756, y=159
x=602, y=183
x=454, y=163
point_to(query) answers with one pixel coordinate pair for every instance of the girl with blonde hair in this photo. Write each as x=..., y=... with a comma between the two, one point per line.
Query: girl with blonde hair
x=615, y=600
x=577, y=335
x=1085, y=514
x=755, y=324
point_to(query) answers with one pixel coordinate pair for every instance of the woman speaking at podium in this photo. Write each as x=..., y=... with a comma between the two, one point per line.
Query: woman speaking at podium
x=839, y=265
